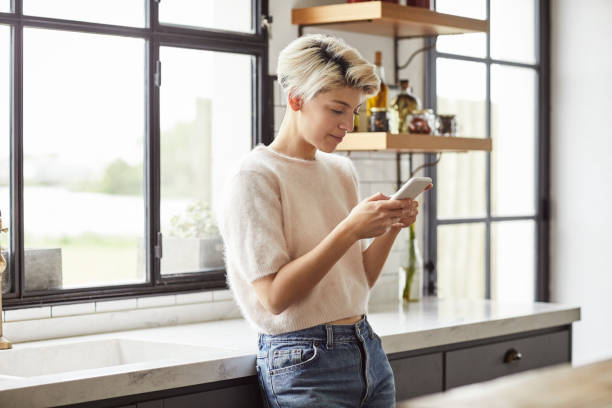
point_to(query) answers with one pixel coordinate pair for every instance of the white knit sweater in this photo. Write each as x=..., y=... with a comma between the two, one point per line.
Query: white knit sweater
x=275, y=208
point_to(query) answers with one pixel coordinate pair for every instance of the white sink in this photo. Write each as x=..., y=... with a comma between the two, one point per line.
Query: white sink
x=35, y=361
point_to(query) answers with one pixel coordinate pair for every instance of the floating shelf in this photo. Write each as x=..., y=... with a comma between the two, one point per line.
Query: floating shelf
x=386, y=19
x=408, y=142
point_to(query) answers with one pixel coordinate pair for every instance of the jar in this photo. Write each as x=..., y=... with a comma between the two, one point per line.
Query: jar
x=446, y=125
x=379, y=121
x=421, y=122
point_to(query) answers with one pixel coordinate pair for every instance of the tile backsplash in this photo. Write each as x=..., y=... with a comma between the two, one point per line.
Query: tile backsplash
x=49, y=322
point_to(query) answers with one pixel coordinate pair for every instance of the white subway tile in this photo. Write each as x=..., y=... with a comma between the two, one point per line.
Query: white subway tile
x=277, y=93
x=29, y=330
x=394, y=261
x=222, y=295
x=279, y=113
x=359, y=155
x=156, y=301
x=197, y=297
x=74, y=309
x=114, y=305
x=385, y=188
x=364, y=191
x=384, y=291
x=377, y=155
x=29, y=313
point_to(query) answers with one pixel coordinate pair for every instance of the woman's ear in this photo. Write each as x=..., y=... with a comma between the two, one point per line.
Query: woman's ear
x=295, y=102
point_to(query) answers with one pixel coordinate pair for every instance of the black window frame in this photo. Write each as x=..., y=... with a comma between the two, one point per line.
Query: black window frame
x=156, y=35
x=542, y=157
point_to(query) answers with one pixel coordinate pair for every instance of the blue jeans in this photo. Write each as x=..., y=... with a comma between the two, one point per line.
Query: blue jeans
x=325, y=366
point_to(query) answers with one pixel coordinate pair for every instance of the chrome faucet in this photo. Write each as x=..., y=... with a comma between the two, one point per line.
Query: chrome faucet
x=4, y=343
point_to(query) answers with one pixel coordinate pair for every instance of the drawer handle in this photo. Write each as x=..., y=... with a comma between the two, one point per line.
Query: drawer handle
x=512, y=355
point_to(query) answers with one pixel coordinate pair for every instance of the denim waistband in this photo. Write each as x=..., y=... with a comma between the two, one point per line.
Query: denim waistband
x=328, y=333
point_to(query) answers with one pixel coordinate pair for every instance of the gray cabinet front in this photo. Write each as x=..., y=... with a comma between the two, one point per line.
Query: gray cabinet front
x=246, y=395
x=481, y=363
x=416, y=376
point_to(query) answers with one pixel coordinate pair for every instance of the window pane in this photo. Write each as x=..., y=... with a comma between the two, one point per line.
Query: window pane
x=513, y=122
x=117, y=12
x=465, y=8
x=5, y=145
x=206, y=126
x=513, y=30
x=462, y=185
x=230, y=15
x=83, y=159
x=461, y=261
x=461, y=89
x=513, y=261
x=5, y=6
x=473, y=44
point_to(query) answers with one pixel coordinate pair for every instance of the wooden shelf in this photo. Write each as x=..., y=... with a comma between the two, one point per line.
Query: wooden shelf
x=408, y=142
x=386, y=19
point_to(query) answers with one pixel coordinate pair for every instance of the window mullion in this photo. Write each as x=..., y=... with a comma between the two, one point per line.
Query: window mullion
x=16, y=146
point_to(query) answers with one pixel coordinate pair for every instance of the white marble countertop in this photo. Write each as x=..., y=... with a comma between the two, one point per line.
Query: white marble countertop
x=220, y=350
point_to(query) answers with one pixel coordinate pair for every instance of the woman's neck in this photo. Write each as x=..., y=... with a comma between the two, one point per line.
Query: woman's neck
x=289, y=141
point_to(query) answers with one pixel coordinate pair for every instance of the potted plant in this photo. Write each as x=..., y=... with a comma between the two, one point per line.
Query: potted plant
x=194, y=242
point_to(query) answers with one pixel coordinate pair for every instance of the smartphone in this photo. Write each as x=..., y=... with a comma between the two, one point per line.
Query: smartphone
x=412, y=188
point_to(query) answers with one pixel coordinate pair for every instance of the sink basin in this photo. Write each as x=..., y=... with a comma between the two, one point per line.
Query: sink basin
x=35, y=361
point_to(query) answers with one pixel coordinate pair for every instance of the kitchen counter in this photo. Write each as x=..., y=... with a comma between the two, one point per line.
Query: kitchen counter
x=222, y=350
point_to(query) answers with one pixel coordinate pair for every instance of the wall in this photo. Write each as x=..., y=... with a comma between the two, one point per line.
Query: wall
x=581, y=144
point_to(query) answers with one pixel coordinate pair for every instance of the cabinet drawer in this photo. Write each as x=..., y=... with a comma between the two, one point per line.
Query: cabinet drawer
x=415, y=376
x=481, y=363
x=247, y=395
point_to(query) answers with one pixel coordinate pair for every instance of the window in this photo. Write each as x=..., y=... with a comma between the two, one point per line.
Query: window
x=488, y=215
x=124, y=129
x=117, y=12
x=205, y=99
x=5, y=36
x=232, y=15
x=83, y=144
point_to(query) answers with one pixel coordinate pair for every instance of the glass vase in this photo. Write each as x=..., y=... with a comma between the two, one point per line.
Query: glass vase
x=411, y=275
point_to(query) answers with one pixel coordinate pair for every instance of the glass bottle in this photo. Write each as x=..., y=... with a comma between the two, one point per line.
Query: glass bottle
x=380, y=99
x=411, y=276
x=404, y=104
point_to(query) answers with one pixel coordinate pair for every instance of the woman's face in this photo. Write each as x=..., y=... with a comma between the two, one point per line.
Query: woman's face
x=326, y=118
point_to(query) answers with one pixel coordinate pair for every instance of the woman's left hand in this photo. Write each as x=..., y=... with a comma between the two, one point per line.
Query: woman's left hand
x=410, y=214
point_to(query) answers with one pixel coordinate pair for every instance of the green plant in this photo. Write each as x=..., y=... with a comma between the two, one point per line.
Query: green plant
x=197, y=222
x=411, y=269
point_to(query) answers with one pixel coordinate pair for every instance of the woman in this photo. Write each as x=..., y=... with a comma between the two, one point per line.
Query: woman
x=294, y=236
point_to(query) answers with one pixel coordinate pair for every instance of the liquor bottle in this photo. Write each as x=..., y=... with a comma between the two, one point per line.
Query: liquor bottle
x=380, y=99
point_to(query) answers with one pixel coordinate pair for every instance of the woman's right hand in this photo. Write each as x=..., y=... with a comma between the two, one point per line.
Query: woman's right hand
x=376, y=214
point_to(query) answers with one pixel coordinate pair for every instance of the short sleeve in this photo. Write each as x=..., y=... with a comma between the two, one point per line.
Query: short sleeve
x=251, y=225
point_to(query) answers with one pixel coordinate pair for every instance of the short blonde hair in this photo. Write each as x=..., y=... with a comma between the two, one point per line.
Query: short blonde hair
x=316, y=63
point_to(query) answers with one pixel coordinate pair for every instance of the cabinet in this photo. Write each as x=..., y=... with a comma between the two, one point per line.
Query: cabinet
x=480, y=363
x=416, y=376
x=467, y=363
